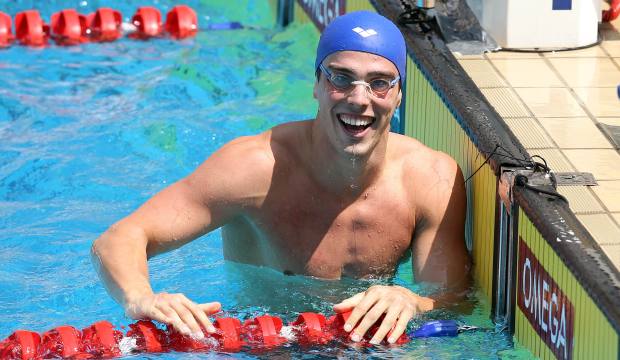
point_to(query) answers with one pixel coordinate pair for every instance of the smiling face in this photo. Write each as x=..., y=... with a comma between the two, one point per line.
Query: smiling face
x=355, y=120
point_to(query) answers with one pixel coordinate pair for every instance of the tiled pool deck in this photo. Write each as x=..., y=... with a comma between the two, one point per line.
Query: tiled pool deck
x=556, y=104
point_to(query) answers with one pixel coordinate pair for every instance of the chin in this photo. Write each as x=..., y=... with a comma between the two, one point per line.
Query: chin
x=358, y=150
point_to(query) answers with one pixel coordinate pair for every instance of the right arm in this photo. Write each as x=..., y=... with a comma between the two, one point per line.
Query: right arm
x=219, y=189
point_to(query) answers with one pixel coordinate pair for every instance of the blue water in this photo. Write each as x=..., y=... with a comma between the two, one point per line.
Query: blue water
x=89, y=133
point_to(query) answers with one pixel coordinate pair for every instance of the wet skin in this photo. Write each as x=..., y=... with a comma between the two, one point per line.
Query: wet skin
x=319, y=198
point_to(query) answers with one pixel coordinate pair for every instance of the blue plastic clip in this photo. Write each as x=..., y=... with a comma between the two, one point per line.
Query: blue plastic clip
x=233, y=25
x=436, y=328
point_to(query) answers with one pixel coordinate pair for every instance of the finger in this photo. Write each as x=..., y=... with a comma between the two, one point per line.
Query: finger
x=401, y=324
x=369, y=319
x=158, y=315
x=369, y=300
x=386, y=325
x=210, y=308
x=186, y=315
x=175, y=320
x=201, y=316
x=349, y=303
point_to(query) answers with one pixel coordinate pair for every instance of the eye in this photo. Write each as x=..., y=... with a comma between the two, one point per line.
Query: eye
x=341, y=81
x=380, y=85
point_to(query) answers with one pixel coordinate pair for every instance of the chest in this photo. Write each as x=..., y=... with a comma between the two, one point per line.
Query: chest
x=328, y=236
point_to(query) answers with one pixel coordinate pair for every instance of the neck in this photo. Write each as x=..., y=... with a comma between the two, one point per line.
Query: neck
x=343, y=172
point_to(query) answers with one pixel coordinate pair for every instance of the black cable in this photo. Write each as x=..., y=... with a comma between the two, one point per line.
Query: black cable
x=521, y=180
x=538, y=50
x=481, y=165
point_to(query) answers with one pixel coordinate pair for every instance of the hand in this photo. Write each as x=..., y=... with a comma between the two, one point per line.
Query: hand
x=184, y=315
x=397, y=303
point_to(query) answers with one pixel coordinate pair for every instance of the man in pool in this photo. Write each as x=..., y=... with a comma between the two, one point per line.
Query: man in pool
x=335, y=196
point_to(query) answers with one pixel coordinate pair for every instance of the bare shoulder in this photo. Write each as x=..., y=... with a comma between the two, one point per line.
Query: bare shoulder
x=242, y=169
x=430, y=177
x=422, y=161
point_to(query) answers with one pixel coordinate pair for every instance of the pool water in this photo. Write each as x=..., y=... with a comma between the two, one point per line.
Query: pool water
x=88, y=133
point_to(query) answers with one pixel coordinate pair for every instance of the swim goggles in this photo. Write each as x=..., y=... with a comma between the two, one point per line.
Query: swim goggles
x=343, y=82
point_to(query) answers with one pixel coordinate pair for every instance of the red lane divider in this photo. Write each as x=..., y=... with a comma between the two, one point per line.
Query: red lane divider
x=6, y=34
x=62, y=342
x=30, y=29
x=105, y=25
x=181, y=22
x=68, y=27
x=21, y=345
x=147, y=21
x=101, y=340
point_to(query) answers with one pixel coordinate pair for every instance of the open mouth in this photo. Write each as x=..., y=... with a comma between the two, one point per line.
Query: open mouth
x=355, y=124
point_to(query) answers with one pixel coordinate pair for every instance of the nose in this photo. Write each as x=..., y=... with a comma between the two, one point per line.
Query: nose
x=359, y=96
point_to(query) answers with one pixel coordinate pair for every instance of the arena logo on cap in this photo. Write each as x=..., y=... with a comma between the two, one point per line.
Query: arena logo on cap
x=365, y=33
x=322, y=12
x=544, y=304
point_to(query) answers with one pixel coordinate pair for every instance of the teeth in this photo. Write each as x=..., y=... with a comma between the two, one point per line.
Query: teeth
x=356, y=121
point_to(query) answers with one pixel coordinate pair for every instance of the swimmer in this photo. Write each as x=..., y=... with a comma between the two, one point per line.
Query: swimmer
x=335, y=196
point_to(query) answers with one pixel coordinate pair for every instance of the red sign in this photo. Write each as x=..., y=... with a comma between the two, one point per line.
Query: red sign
x=546, y=307
x=322, y=12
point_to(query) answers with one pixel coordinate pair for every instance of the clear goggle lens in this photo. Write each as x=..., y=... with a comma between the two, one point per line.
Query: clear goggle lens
x=344, y=82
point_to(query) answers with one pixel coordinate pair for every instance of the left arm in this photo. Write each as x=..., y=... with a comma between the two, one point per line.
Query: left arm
x=439, y=256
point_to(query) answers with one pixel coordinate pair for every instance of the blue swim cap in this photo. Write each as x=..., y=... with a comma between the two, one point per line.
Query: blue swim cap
x=364, y=31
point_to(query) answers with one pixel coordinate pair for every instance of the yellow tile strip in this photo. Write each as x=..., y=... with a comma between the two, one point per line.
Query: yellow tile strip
x=580, y=199
x=530, y=133
x=506, y=103
x=483, y=74
x=602, y=228
x=612, y=252
x=573, y=133
x=609, y=193
x=600, y=101
x=603, y=163
x=527, y=72
x=550, y=102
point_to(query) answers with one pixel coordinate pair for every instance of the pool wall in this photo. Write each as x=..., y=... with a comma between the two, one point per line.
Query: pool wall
x=547, y=279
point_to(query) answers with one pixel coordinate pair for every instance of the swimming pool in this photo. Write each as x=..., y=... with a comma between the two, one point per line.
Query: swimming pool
x=90, y=132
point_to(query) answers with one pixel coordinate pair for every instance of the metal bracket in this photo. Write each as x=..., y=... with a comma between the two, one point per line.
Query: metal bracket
x=507, y=179
x=574, y=178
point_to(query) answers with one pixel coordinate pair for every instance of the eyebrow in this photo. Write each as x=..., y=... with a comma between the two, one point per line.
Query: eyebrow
x=349, y=71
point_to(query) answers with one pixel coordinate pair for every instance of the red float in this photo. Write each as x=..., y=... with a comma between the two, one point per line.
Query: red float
x=147, y=21
x=30, y=29
x=181, y=22
x=21, y=345
x=102, y=340
x=62, y=342
x=69, y=27
x=105, y=25
x=228, y=334
x=311, y=328
x=263, y=331
x=337, y=324
x=148, y=337
x=6, y=34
